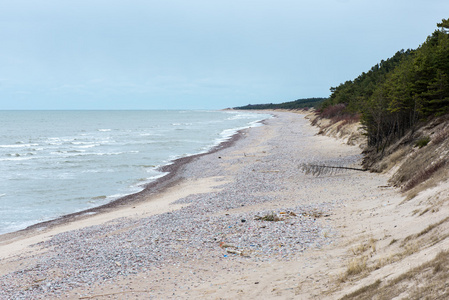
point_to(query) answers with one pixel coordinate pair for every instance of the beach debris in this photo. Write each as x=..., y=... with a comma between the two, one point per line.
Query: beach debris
x=315, y=214
x=288, y=213
x=243, y=253
x=224, y=245
x=273, y=217
x=232, y=251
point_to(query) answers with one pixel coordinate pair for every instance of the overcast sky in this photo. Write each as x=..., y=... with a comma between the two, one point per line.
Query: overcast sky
x=196, y=54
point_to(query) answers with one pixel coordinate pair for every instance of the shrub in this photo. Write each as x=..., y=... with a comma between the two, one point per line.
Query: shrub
x=357, y=266
x=332, y=111
x=348, y=119
x=422, y=142
x=337, y=113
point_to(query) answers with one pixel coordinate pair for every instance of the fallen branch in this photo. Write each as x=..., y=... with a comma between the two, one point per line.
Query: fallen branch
x=318, y=170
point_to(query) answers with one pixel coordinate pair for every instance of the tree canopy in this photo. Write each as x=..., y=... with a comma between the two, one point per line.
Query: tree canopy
x=396, y=94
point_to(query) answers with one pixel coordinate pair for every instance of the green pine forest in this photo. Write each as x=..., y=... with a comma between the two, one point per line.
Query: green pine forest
x=297, y=104
x=397, y=94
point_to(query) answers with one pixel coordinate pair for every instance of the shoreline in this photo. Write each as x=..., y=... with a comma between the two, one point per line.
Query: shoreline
x=156, y=186
x=205, y=235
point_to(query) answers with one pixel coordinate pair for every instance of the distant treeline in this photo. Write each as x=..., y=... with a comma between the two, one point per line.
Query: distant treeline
x=399, y=93
x=297, y=104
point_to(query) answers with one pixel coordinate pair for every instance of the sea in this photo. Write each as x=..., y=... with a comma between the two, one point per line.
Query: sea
x=54, y=163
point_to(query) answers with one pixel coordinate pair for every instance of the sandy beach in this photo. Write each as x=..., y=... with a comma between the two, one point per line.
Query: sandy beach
x=242, y=222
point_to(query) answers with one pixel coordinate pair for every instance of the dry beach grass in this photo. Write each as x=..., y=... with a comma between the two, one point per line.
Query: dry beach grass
x=243, y=222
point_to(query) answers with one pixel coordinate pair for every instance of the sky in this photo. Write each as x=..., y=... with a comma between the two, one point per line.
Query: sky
x=196, y=54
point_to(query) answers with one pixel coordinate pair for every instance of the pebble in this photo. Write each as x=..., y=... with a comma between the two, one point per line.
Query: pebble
x=126, y=247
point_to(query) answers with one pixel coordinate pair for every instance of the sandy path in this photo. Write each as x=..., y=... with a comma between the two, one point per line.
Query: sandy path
x=221, y=194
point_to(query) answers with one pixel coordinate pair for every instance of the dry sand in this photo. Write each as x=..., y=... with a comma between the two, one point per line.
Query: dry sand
x=200, y=237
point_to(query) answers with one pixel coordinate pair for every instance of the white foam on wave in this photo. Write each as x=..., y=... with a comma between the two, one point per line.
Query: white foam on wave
x=142, y=182
x=80, y=153
x=6, y=227
x=107, y=153
x=86, y=146
x=69, y=153
x=115, y=197
x=227, y=134
x=91, y=171
x=18, y=145
x=16, y=158
x=80, y=143
x=240, y=115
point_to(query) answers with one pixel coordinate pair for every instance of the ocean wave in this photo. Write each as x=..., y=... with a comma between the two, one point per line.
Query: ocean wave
x=67, y=153
x=18, y=145
x=86, y=146
x=142, y=182
x=108, y=153
x=116, y=196
x=79, y=153
x=182, y=124
x=150, y=134
x=56, y=141
x=20, y=154
x=80, y=143
x=66, y=149
x=91, y=171
x=240, y=115
x=6, y=227
x=16, y=158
